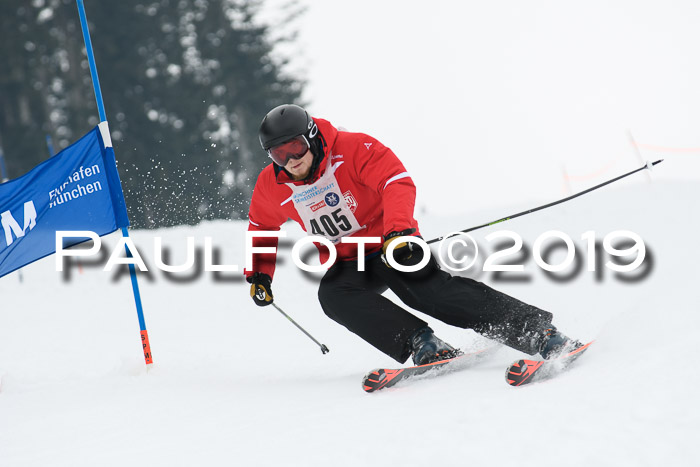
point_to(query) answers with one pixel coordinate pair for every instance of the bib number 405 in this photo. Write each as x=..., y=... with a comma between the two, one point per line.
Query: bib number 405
x=330, y=225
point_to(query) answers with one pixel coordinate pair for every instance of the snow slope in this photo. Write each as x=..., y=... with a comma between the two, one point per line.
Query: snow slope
x=234, y=384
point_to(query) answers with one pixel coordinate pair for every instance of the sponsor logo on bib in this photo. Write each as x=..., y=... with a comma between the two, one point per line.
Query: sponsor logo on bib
x=332, y=199
x=350, y=200
x=317, y=206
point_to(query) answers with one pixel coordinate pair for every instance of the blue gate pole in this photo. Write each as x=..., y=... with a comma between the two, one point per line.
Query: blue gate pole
x=49, y=146
x=3, y=179
x=125, y=232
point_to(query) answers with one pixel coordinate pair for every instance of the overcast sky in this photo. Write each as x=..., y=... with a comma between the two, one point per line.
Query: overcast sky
x=491, y=104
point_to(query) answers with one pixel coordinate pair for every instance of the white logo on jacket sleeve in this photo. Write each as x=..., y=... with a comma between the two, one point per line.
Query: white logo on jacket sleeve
x=367, y=145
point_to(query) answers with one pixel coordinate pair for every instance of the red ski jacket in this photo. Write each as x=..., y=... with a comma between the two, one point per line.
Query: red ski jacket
x=372, y=180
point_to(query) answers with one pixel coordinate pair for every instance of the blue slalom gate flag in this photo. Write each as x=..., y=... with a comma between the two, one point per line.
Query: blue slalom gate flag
x=77, y=189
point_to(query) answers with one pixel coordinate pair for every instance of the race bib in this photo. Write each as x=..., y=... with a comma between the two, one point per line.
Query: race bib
x=322, y=207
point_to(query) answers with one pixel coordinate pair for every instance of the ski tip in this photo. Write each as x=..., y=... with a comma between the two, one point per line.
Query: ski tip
x=577, y=350
x=513, y=372
x=375, y=379
x=519, y=373
x=381, y=378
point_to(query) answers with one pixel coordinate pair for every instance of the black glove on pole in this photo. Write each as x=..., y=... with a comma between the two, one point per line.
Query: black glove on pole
x=261, y=289
x=403, y=251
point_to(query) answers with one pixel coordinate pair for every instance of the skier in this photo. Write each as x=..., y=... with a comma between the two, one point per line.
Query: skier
x=339, y=184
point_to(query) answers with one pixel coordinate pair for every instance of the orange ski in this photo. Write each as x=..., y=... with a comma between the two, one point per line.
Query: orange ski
x=529, y=371
x=384, y=377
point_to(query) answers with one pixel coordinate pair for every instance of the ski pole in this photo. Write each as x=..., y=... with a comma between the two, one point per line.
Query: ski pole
x=648, y=165
x=324, y=349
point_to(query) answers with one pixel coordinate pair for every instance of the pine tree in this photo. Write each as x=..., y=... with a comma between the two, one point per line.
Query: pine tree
x=185, y=84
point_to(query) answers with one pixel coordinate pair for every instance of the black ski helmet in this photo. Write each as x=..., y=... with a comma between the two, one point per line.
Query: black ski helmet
x=284, y=123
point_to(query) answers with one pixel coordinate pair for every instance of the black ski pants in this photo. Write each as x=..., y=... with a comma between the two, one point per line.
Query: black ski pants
x=353, y=298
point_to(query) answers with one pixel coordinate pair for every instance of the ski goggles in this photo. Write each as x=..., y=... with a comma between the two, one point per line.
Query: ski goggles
x=293, y=149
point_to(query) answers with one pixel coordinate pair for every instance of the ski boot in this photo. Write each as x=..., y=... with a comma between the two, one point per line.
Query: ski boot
x=426, y=348
x=554, y=344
